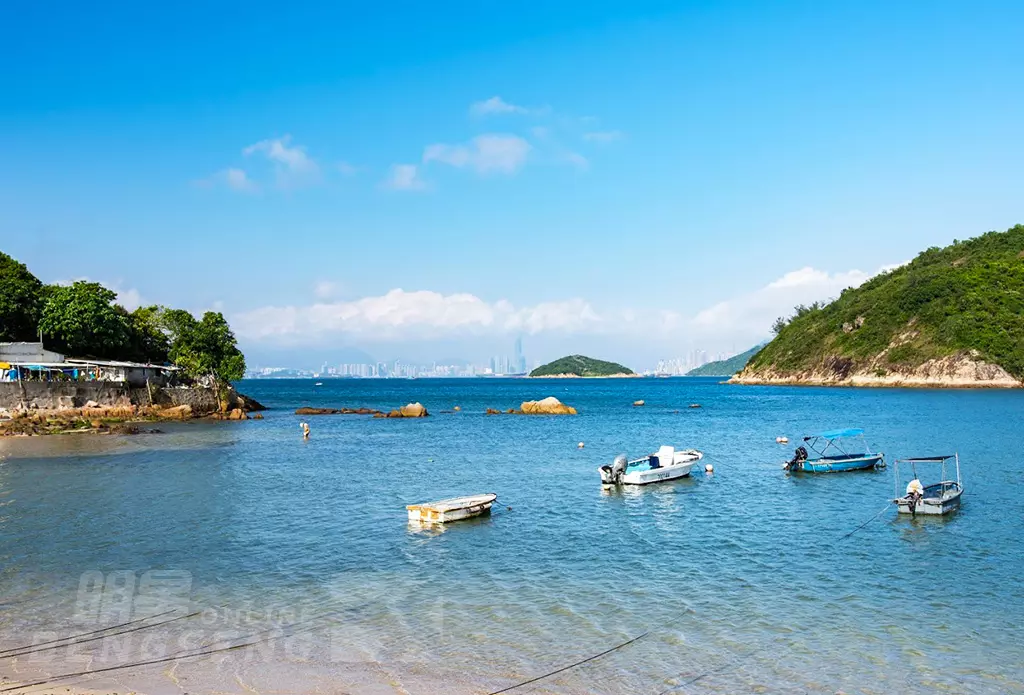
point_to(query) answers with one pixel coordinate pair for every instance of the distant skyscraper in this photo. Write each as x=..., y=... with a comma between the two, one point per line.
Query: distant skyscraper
x=520, y=363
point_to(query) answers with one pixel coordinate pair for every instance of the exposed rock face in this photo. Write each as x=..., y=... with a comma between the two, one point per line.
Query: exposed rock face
x=492, y=411
x=249, y=405
x=413, y=410
x=546, y=406
x=178, y=412
x=962, y=370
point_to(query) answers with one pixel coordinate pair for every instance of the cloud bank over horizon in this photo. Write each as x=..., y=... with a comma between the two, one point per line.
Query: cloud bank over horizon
x=401, y=319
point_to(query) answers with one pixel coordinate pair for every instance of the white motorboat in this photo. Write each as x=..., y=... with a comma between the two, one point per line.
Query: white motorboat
x=935, y=499
x=666, y=464
x=454, y=509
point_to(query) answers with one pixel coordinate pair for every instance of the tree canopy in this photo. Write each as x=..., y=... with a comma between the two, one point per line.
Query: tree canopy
x=207, y=347
x=83, y=320
x=20, y=301
x=580, y=365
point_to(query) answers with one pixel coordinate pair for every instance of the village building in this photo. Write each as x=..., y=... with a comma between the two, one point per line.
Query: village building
x=33, y=362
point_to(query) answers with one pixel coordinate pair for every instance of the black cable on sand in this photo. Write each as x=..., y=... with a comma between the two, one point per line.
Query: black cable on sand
x=4, y=653
x=174, y=657
x=565, y=668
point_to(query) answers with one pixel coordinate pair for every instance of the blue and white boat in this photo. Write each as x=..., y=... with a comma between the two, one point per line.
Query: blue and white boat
x=666, y=464
x=835, y=451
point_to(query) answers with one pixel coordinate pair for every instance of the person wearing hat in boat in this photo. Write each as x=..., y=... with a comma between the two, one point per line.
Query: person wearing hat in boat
x=915, y=491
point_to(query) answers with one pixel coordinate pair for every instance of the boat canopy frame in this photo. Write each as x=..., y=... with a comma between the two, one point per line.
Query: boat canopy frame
x=833, y=439
x=942, y=460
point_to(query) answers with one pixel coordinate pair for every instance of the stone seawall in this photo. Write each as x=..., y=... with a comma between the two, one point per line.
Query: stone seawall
x=23, y=395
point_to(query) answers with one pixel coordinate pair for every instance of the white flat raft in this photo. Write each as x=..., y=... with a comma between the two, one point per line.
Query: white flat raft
x=454, y=509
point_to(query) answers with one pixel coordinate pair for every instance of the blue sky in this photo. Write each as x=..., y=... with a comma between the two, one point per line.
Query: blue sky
x=627, y=179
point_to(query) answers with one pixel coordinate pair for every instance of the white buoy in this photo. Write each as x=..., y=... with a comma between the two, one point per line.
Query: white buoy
x=708, y=468
x=580, y=445
x=782, y=440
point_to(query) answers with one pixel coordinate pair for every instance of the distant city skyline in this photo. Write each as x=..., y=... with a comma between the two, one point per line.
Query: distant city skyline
x=498, y=365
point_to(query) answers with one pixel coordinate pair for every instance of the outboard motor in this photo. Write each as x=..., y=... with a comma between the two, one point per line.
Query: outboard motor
x=612, y=475
x=799, y=456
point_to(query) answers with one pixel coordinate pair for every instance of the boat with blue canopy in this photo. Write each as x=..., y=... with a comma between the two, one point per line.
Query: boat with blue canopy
x=835, y=451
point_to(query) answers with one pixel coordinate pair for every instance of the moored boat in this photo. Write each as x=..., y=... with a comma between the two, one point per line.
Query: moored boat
x=453, y=509
x=935, y=499
x=835, y=451
x=666, y=464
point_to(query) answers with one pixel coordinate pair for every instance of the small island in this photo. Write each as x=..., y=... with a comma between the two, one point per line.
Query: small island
x=952, y=317
x=581, y=366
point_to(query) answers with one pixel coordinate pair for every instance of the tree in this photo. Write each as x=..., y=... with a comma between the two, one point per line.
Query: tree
x=82, y=320
x=20, y=301
x=207, y=347
x=148, y=340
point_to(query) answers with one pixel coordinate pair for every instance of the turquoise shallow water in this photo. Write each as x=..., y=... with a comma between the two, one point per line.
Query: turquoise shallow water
x=741, y=578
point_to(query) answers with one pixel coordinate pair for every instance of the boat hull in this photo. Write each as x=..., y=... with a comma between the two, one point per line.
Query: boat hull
x=840, y=465
x=658, y=475
x=938, y=500
x=447, y=511
x=682, y=466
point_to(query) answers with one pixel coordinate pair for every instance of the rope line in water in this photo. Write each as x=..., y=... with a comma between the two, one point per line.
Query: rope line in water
x=4, y=653
x=721, y=669
x=884, y=509
x=566, y=668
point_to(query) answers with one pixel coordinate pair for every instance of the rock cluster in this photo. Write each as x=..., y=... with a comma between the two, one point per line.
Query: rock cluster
x=546, y=406
x=409, y=410
x=336, y=411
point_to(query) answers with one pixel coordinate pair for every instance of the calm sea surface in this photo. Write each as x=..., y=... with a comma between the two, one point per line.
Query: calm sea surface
x=742, y=579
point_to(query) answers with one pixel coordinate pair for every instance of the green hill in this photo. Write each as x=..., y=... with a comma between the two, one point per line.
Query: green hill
x=727, y=367
x=579, y=365
x=933, y=320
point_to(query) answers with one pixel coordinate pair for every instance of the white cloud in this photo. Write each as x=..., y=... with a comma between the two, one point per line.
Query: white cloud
x=346, y=169
x=495, y=105
x=752, y=314
x=484, y=154
x=325, y=289
x=402, y=315
x=235, y=179
x=130, y=299
x=405, y=177
x=293, y=166
x=238, y=180
x=577, y=160
x=605, y=136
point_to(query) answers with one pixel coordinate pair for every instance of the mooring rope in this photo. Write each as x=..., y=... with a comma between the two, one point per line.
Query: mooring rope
x=201, y=651
x=566, y=668
x=4, y=653
x=884, y=509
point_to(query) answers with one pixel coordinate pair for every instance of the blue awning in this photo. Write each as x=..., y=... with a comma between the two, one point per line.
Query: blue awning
x=836, y=434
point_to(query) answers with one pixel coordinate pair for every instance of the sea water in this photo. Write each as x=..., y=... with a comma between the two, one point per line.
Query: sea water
x=744, y=580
